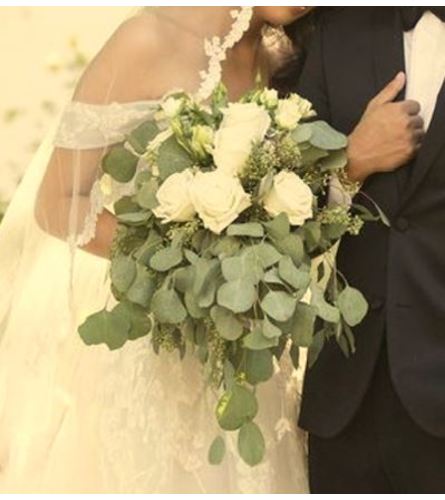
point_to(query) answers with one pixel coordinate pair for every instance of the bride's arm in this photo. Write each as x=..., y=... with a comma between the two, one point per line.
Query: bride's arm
x=119, y=73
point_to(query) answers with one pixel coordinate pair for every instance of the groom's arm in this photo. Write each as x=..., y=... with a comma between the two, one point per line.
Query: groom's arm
x=389, y=133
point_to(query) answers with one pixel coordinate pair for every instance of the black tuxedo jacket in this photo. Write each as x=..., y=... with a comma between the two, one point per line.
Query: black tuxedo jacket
x=355, y=52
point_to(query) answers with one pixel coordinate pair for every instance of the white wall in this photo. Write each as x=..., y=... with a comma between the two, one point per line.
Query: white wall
x=34, y=43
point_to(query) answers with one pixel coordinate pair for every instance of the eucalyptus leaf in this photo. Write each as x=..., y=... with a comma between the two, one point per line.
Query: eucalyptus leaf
x=259, y=366
x=141, y=324
x=270, y=330
x=326, y=137
x=292, y=245
x=143, y=135
x=217, y=451
x=145, y=252
x=183, y=279
x=302, y=133
x=251, y=444
x=316, y=347
x=167, y=307
x=191, y=303
x=257, y=341
x=279, y=305
x=135, y=218
x=265, y=253
x=166, y=259
x=120, y=164
x=143, y=288
x=336, y=161
x=300, y=280
x=236, y=407
x=105, y=327
x=238, y=296
x=245, y=266
x=353, y=306
x=325, y=311
x=303, y=324
x=278, y=227
x=146, y=196
x=123, y=272
x=227, y=324
x=251, y=229
x=172, y=158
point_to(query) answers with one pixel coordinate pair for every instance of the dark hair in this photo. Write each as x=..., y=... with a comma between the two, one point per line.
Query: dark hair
x=299, y=33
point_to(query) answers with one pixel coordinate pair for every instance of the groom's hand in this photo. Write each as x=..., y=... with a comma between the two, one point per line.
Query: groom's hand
x=388, y=135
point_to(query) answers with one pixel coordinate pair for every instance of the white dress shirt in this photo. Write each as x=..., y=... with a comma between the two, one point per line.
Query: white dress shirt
x=425, y=63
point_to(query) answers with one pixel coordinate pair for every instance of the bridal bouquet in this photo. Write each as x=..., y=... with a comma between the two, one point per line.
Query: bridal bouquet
x=214, y=251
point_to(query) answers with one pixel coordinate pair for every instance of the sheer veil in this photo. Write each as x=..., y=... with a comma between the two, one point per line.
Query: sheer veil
x=78, y=419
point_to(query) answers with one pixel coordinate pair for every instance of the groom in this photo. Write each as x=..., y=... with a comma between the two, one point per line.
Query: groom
x=377, y=420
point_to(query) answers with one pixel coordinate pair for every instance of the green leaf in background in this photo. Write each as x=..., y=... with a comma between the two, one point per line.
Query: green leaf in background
x=279, y=227
x=141, y=324
x=166, y=259
x=251, y=444
x=257, y=341
x=183, y=279
x=105, y=327
x=120, y=164
x=172, y=158
x=146, y=196
x=312, y=234
x=300, y=280
x=279, y=305
x=273, y=278
x=236, y=407
x=217, y=451
x=353, y=306
x=325, y=311
x=259, y=366
x=325, y=137
x=143, y=288
x=227, y=324
x=123, y=272
x=303, y=323
x=311, y=155
x=238, y=296
x=251, y=229
x=225, y=246
x=167, y=307
x=125, y=205
x=142, y=136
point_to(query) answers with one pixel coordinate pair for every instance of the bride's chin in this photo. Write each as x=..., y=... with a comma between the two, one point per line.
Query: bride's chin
x=282, y=15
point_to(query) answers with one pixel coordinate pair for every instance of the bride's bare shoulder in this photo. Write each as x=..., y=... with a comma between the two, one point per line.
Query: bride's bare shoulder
x=133, y=51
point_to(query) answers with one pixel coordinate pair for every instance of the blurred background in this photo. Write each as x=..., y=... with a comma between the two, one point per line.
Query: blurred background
x=43, y=50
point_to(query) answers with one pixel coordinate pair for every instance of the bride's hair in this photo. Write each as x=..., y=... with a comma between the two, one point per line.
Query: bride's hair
x=299, y=33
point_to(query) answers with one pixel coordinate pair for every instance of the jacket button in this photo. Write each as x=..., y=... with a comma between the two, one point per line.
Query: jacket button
x=376, y=304
x=402, y=224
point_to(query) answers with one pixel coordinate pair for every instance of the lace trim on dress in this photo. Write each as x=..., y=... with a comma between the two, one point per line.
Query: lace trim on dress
x=217, y=50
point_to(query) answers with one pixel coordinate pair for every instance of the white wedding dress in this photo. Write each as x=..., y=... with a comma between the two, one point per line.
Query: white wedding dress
x=78, y=419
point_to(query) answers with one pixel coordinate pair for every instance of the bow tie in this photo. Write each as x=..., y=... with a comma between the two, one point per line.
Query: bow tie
x=411, y=15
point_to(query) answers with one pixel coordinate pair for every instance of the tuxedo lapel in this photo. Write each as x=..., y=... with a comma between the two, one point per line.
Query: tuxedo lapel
x=433, y=142
x=389, y=59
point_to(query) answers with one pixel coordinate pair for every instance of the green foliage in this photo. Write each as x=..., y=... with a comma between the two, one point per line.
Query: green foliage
x=251, y=444
x=120, y=164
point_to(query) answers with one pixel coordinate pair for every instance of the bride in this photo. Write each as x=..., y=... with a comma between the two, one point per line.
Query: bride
x=76, y=419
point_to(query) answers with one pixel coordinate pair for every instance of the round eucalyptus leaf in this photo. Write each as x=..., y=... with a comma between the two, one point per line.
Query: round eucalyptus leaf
x=279, y=305
x=236, y=407
x=105, y=327
x=251, y=444
x=353, y=306
x=143, y=288
x=143, y=135
x=257, y=341
x=238, y=296
x=120, y=164
x=227, y=324
x=217, y=451
x=141, y=324
x=123, y=272
x=166, y=259
x=299, y=280
x=259, y=366
x=250, y=229
x=167, y=307
x=325, y=137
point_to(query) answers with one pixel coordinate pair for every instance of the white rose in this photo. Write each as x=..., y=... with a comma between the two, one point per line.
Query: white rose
x=289, y=195
x=218, y=198
x=292, y=110
x=172, y=106
x=269, y=98
x=174, y=198
x=242, y=126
